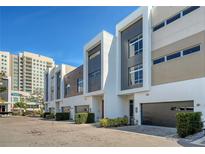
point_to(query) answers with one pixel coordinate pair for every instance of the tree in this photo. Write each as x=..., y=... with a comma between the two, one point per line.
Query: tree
x=2, y=88
x=21, y=105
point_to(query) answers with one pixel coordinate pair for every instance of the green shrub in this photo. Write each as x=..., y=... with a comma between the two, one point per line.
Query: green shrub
x=188, y=123
x=50, y=116
x=113, y=122
x=84, y=117
x=45, y=114
x=62, y=116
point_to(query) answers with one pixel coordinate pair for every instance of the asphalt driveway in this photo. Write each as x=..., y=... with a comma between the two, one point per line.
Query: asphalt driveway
x=34, y=132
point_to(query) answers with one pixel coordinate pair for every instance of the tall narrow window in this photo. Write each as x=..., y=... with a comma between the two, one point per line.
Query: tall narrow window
x=136, y=75
x=136, y=45
x=79, y=85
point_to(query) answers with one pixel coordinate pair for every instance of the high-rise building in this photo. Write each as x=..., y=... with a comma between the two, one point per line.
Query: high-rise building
x=4, y=63
x=26, y=70
x=31, y=71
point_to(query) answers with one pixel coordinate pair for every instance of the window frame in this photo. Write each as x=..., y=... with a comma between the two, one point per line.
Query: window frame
x=133, y=41
x=138, y=69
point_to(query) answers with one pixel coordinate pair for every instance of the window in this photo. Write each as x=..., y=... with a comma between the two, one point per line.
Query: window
x=172, y=19
x=189, y=10
x=94, y=55
x=136, y=45
x=155, y=28
x=173, y=56
x=67, y=90
x=191, y=50
x=79, y=85
x=94, y=74
x=136, y=75
x=159, y=60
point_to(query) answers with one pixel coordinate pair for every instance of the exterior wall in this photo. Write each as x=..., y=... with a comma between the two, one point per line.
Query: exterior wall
x=14, y=71
x=5, y=62
x=71, y=102
x=71, y=79
x=186, y=26
x=182, y=68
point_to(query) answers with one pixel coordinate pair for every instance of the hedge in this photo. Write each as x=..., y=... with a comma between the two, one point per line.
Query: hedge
x=48, y=115
x=45, y=114
x=84, y=117
x=113, y=122
x=188, y=123
x=62, y=116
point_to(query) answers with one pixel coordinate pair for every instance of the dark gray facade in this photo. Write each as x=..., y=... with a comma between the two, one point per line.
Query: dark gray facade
x=71, y=79
x=58, y=83
x=126, y=61
x=94, y=69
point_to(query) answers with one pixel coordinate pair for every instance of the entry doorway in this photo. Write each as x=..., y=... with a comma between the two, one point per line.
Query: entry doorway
x=131, y=112
x=2, y=108
x=102, y=108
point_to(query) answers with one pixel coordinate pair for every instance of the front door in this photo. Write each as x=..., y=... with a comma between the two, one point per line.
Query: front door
x=131, y=112
x=102, y=108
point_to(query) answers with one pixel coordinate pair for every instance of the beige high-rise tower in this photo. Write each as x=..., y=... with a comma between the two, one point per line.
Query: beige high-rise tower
x=26, y=70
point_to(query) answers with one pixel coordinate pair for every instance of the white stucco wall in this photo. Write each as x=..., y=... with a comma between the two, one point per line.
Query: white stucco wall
x=76, y=101
x=186, y=26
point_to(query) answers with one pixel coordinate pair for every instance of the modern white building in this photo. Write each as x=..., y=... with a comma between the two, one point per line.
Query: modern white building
x=54, y=87
x=151, y=69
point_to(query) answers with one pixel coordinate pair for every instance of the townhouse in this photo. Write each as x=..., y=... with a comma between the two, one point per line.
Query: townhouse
x=151, y=69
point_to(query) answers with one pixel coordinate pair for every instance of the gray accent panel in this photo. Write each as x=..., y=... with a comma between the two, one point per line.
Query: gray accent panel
x=126, y=62
x=94, y=65
x=160, y=114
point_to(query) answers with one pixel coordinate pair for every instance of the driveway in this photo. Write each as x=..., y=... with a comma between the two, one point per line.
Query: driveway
x=32, y=132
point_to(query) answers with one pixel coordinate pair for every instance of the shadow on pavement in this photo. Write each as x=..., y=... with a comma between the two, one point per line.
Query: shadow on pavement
x=150, y=130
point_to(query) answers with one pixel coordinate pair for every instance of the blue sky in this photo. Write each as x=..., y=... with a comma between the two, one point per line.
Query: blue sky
x=57, y=32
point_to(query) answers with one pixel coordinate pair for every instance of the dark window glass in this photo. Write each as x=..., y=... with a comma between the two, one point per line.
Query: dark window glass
x=79, y=85
x=172, y=19
x=173, y=56
x=160, y=60
x=155, y=28
x=136, y=46
x=189, y=10
x=191, y=50
x=136, y=75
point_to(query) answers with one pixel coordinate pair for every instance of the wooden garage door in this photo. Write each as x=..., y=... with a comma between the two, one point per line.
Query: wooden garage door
x=163, y=113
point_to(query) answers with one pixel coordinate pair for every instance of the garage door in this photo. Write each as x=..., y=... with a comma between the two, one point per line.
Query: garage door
x=163, y=113
x=81, y=108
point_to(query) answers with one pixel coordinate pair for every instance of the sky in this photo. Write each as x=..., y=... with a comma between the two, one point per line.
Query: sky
x=57, y=32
